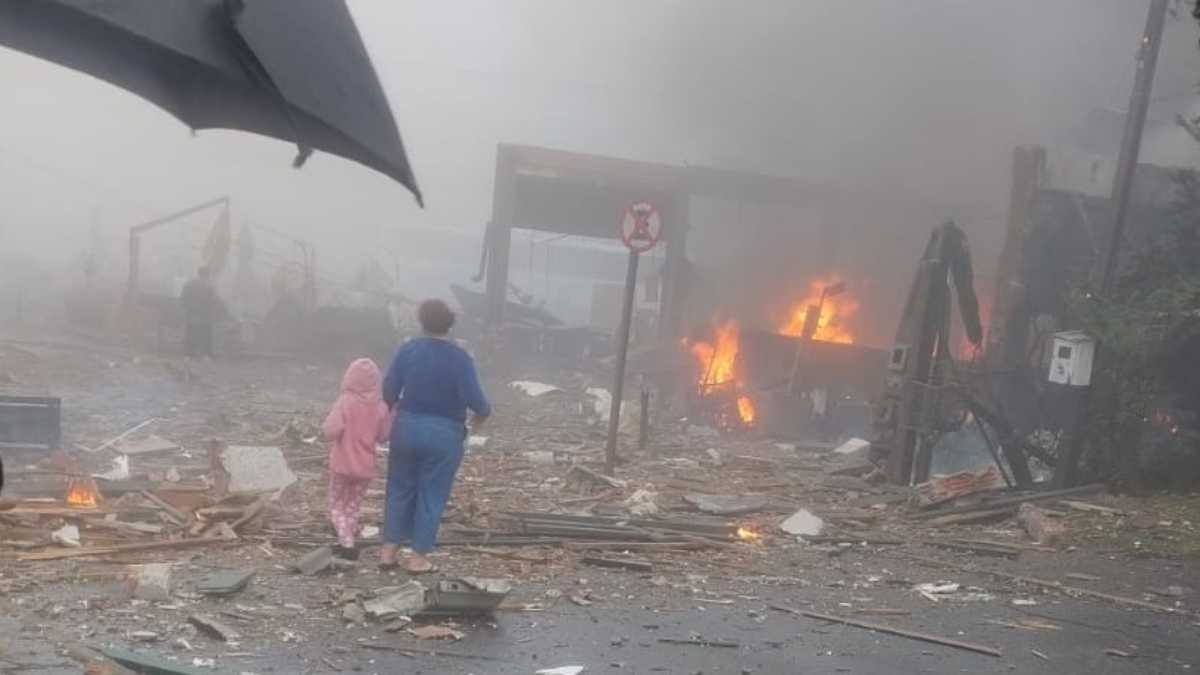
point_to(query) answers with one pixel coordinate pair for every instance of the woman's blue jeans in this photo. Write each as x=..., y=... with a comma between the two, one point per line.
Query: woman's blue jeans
x=426, y=451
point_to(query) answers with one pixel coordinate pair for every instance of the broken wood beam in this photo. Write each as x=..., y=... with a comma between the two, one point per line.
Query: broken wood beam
x=620, y=563
x=893, y=630
x=852, y=538
x=968, y=547
x=972, y=517
x=173, y=514
x=121, y=548
x=1013, y=501
x=700, y=643
x=635, y=545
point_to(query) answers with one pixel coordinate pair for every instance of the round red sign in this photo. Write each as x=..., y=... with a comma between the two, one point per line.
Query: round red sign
x=641, y=226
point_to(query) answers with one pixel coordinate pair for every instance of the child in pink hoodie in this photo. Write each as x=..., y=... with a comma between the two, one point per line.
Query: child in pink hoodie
x=359, y=419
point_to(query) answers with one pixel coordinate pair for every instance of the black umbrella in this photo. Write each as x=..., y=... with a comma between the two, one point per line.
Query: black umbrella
x=296, y=70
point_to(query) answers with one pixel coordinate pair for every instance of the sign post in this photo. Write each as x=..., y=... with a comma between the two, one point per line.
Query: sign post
x=641, y=227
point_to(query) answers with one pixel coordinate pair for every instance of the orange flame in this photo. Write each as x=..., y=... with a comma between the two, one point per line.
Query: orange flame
x=836, y=312
x=718, y=366
x=746, y=409
x=82, y=492
x=747, y=534
x=718, y=360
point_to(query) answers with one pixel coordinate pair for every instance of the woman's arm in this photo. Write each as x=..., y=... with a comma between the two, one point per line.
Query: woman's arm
x=472, y=392
x=334, y=425
x=393, y=382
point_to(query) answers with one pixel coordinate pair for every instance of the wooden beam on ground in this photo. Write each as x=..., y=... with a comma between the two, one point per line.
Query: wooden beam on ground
x=57, y=554
x=893, y=630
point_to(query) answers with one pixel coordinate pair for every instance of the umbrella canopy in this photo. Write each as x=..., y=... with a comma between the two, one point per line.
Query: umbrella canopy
x=295, y=70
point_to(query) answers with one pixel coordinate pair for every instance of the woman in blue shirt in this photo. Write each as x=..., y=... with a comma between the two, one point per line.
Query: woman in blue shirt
x=431, y=385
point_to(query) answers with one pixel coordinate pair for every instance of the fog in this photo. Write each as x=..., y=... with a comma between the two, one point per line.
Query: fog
x=923, y=99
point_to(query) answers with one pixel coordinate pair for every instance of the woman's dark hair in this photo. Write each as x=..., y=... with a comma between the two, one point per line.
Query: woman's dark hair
x=436, y=317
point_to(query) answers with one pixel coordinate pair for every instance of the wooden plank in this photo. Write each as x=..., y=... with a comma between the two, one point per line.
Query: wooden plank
x=173, y=514
x=893, y=630
x=57, y=554
x=972, y=517
x=622, y=563
x=1013, y=501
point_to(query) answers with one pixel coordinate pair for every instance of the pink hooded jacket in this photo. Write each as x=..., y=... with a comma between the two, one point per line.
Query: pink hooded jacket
x=359, y=419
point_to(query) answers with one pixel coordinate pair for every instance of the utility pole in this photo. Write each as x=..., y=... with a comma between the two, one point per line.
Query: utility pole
x=1131, y=141
x=1066, y=472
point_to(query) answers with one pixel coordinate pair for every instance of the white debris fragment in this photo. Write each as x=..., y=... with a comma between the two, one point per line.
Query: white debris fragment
x=533, y=389
x=642, y=503
x=67, y=535
x=477, y=442
x=151, y=581
x=803, y=523
x=852, y=446
x=119, y=470
x=256, y=469
x=560, y=670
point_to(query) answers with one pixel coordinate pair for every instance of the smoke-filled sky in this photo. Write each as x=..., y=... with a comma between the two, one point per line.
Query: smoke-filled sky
x=923, y=97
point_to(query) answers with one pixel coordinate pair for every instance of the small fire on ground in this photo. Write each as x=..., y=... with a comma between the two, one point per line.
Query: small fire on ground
x=82, y=492
x=748, y=534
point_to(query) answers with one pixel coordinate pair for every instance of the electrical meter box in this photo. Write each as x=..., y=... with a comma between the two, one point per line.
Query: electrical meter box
x=1071, y=358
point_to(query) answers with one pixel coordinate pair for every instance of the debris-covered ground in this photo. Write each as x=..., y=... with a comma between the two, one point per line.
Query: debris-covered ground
x=705, y=553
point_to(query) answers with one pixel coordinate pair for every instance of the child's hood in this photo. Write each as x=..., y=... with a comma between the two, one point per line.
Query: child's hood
x=362, y=379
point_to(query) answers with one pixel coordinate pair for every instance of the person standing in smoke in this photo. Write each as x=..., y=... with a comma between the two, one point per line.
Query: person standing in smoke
x=202, y=308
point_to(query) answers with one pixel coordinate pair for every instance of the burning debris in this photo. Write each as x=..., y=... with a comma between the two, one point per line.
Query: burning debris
x=823, y=314
x=719, y=379
x=82, y=492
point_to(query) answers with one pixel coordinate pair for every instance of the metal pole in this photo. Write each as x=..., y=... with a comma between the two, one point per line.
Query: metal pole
x=1131, y=142
x=644, y=420
x=614, y=414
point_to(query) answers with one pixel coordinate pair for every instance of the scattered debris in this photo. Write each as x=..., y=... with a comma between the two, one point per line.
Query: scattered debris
x=560, y=670
x=623, y=563
x=699, y=642
x=432, y=632
x=533, y=389
x=224, y=582
x=596, y=477
x=852, y=446
x=149, y=663
x=642, y=503
x=1092, y=508
x=314, y=562
x=539, y=457
x=1040, y=528
x=1058, y=586
x=945, y=488
x=149, y=445
x=1118, y=653
x=466, y=595
x=392, y=601
x=1171, y=591
x=150, y=581
x=803, y=523
x=727, y=505
x=117, y=471
x=214, y=628
x=892, y=630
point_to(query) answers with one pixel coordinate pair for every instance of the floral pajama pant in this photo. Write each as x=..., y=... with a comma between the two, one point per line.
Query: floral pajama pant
x=346, y=495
